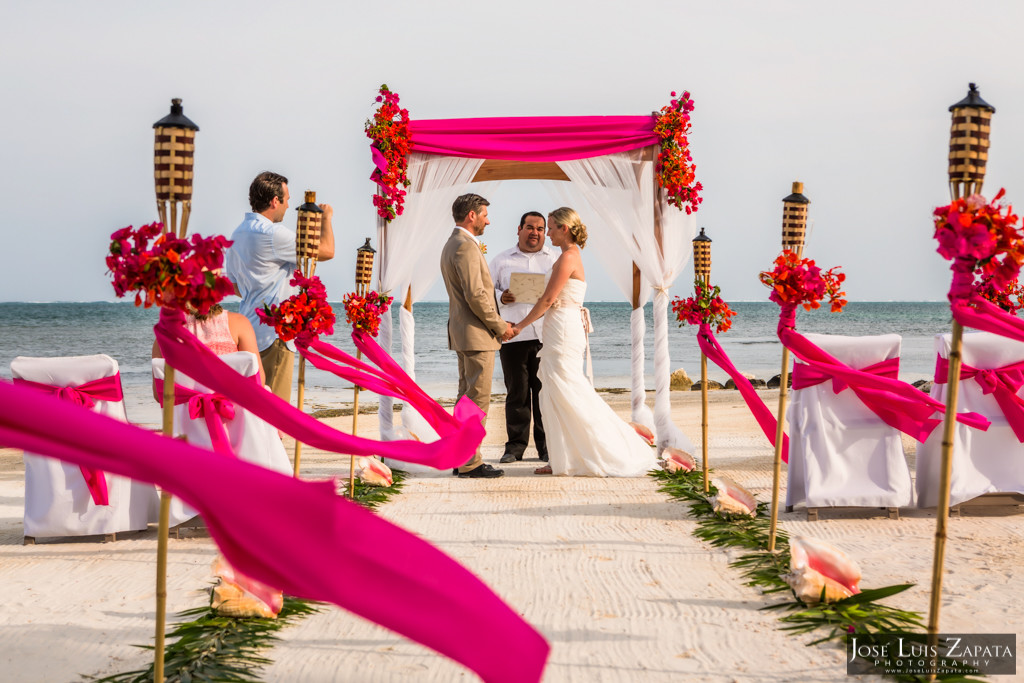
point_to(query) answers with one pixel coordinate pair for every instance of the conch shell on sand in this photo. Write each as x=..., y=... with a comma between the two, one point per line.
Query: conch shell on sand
x=815, y=565
x=237, y=595
x=373, y=472
x=676, y=459
x=732, y=499
x=645, y=433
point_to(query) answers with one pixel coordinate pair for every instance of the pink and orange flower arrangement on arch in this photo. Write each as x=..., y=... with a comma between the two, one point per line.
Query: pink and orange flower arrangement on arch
x=706, y=307
x=985, y=244
x=364, y=312
x=174, y=272
x=798, y=281
x=389, y=130
x=675, y=168
x=302, y=317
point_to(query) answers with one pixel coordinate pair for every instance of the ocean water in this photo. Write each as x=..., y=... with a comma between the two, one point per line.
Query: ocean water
x=125, y=332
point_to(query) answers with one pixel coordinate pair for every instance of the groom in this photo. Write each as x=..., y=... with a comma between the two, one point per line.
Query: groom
x=475, y=330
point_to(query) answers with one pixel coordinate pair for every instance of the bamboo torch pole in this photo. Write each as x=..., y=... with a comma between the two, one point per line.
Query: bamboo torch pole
x=702, y=272
x=364, y=277
x=794, y=228
x=307, y=250
x=173, y=156
x=968, y=155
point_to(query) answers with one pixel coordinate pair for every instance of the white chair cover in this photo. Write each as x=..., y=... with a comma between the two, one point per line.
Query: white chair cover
x=983, y=462
x=251, y=438
x=840, y=453
x=57, y=500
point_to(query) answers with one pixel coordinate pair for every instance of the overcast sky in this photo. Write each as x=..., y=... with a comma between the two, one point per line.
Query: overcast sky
x=850, y=98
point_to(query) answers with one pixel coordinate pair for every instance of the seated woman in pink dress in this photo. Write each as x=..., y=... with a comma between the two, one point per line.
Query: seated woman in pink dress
x=222, y=332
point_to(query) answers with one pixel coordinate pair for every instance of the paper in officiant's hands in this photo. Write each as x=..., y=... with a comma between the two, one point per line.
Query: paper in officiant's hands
x=526, y=287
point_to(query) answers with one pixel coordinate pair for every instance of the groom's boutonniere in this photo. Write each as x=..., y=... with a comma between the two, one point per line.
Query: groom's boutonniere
x=483, y=248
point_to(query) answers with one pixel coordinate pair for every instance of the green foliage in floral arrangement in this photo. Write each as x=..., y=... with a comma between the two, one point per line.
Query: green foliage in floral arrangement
x=860, y=613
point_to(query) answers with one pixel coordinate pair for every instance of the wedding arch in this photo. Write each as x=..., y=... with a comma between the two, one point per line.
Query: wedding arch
x=605, y=166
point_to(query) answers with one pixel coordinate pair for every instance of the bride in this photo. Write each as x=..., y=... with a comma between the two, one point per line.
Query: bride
x=585, y=436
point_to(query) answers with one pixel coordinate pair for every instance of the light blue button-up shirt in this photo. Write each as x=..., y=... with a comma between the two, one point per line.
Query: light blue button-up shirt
x=260, y=262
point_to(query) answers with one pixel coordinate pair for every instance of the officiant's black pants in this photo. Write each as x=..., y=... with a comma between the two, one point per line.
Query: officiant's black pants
x=519, y=364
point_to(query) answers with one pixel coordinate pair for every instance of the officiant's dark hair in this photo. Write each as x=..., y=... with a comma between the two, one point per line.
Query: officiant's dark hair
x=264, y=188
x=466, y=203
x=528, y=214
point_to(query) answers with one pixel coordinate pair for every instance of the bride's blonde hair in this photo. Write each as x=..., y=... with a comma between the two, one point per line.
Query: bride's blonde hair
x=570, y=219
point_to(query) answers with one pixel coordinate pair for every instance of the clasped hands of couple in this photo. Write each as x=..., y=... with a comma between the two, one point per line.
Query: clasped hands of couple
x=513, y=329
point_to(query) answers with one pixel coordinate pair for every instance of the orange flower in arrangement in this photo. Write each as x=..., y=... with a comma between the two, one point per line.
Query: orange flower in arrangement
x=799, y=281
x=173, y=273
x=364, y=312
x=984, y=243
x=705, y=307
x=303, y=316
x=675, y=168
x=389, y=130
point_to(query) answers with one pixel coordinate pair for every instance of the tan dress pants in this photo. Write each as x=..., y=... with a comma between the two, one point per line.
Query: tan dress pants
x=279, y=364
x=476, y=370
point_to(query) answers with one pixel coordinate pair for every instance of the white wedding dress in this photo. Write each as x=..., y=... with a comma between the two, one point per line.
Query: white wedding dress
x=585, y=436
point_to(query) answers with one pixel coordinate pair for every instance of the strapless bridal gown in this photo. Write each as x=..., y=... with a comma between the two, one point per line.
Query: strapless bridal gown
x=585, y=436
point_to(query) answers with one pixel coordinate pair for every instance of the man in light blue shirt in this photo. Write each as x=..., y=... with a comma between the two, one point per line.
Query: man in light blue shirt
x=261, y=261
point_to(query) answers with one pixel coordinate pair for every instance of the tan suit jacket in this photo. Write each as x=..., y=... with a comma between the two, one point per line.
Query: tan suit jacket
x=473, y=320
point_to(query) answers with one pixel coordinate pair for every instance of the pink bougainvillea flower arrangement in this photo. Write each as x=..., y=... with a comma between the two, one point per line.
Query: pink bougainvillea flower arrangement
x=985, y=244
x=303, y=316
x=389, y=130
x=798, y=281
x=675, y=168
x=364, y=312
x=174, y=272
x=705, y=307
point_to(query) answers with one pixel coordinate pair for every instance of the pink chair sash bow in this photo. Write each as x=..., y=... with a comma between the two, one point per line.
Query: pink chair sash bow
x=806, y=375
x=214, y=408
x=86, y=395
x=1002, y=383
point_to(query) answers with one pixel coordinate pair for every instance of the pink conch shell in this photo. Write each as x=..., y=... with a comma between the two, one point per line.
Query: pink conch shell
x=816, y=565
x=373, y=472
x=237, y=595
x=645, y=433
x=732, y=499
x=676, y=459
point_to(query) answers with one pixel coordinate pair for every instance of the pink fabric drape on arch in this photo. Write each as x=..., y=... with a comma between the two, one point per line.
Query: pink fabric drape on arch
x=535, y=138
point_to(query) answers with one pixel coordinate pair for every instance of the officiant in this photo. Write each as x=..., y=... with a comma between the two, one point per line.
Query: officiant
x=519, y=356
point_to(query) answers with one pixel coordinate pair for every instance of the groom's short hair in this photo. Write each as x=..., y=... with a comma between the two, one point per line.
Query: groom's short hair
x=466, y=203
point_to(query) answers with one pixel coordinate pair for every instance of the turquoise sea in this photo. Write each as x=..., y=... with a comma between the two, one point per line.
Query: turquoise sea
x=125, y=332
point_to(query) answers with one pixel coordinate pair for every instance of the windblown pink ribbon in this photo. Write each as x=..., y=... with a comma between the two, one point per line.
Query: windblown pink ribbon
x=212, y=407
x=349, y=556
x=462, y=433
x=805, y=375
x=896, y=403
x=86, y=395
x=710, y=347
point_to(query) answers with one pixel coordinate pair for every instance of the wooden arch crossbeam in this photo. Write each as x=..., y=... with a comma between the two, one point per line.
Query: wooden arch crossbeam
x=501, y=169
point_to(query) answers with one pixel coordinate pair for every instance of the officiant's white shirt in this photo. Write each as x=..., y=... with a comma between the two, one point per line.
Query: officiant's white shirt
x=516, y=261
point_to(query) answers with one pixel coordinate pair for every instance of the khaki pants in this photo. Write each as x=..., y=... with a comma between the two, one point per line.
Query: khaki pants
x=476, y=369
x=279, y=364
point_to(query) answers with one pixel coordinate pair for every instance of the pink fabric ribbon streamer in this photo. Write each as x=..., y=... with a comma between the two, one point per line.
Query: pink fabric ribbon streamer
x=541, y=138
x=213, y=408
x=1003, y=383
x=86, y=395
x=463, y=432
x=349, y=556
x=896, y=403
x=710, y=347
x=805, y=376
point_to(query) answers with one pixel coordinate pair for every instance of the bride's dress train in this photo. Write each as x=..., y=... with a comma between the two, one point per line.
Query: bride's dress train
x=585, y=436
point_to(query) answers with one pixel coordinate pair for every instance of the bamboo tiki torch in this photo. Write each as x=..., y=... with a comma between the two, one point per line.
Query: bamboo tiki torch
x=364, y=277
x=794, y=230
x=702, y=271
x=968, y=153
x=173, y=150
x=307, y=250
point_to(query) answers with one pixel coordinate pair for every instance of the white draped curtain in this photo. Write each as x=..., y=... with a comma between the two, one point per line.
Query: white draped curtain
x=656, y=236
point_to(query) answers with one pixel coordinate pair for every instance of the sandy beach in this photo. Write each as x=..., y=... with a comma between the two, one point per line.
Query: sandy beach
x=607, y=569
